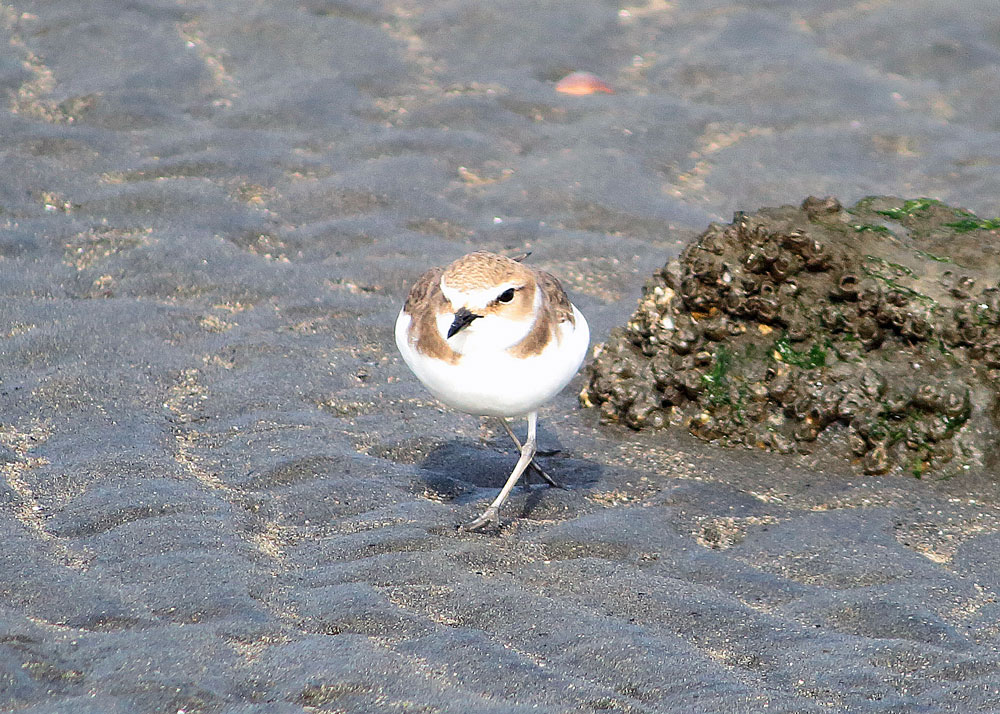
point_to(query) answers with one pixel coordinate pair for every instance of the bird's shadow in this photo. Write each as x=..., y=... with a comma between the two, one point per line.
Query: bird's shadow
x=466, y=470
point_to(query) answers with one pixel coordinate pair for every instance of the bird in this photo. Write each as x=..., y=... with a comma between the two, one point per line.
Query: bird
x=491, y=336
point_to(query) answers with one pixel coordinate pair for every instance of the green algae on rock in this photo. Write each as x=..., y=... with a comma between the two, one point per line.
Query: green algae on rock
x=882, y=321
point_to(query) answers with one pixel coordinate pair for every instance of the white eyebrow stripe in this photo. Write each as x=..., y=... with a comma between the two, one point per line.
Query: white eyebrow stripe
x=476, y=299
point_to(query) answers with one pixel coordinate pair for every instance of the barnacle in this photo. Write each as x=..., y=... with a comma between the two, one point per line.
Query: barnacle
x=876, y=327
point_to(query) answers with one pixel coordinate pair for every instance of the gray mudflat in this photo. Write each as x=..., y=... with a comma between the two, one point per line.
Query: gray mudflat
x=223, y=492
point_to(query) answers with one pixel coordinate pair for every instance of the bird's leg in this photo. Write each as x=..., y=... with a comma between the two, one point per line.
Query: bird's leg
x=492, y=512
x=533, y=466
x=538, y=452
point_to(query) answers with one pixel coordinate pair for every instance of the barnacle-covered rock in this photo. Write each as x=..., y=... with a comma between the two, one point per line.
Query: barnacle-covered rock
x=871, y=332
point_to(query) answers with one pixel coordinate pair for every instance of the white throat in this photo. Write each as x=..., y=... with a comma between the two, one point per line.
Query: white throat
x=490, y=333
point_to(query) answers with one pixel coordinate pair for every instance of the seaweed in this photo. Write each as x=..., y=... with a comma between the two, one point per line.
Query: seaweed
x=870, y=227
x=716, y=381
x=975, y=224
x=909, y=208
x=784, y=352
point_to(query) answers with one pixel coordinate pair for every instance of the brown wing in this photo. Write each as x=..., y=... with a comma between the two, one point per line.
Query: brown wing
x=423, y=304
x=559, y=310
x=422, y=290
x=562, y=309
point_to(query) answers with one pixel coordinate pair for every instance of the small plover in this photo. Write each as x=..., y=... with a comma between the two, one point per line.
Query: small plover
x=488, y=335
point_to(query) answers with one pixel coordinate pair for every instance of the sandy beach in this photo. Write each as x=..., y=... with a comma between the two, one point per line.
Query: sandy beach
x=223, y=492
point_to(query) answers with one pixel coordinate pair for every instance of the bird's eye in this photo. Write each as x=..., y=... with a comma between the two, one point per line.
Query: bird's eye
x=506, y=296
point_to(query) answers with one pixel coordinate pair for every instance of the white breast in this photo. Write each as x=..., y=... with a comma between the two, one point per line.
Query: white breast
x=493, y=382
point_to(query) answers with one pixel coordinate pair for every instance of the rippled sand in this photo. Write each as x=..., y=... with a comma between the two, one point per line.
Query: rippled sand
x=223, y=491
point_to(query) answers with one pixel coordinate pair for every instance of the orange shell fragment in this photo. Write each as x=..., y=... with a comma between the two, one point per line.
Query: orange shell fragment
x=581, y=83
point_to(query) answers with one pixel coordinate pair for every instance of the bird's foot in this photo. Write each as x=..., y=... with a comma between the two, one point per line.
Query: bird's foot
x=533, y=467
x=490, y=516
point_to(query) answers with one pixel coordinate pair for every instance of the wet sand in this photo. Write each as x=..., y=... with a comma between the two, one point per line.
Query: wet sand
x=224, y=492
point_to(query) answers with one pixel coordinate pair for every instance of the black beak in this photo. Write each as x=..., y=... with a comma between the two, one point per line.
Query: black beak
x=462, y=319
